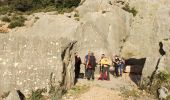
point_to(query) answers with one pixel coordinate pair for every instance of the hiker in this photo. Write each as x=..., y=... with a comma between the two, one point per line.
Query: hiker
x=86, y=63
x=91, y=66
x=77, y=65
x=102, y=74
x=105, y=63
x=102, y=56
x=119, y=64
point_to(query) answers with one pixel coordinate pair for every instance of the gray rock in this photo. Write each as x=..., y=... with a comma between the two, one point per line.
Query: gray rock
x=13, y=95
x=163, y=93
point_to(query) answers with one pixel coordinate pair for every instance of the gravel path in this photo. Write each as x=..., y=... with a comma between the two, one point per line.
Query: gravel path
x=106, y=90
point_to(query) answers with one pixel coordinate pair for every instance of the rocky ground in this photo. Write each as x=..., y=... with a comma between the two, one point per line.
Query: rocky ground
x=121, y=88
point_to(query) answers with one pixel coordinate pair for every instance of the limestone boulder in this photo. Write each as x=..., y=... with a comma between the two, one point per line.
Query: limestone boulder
x=149, y=35
x=13, y=95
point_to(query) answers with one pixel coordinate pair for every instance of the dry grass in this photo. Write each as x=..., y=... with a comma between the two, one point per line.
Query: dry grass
x=130, y=93
x=77, y=90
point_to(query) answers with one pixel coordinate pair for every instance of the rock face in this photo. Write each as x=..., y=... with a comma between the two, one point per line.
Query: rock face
x=29, y=55
x=163, y=92
x=149, y=35
x=27, y=62
x=13, y=95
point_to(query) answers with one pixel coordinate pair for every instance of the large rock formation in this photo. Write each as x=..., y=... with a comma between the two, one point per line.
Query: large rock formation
x=28, y=62
x=29, y=55
x=149, y=34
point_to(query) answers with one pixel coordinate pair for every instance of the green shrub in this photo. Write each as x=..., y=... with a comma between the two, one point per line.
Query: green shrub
x=130, y=10
x=17, y=21
x=162, y=78
x=76, y=15
x=37, y=94
x=76, y=90
x=46, y=2
x=6, y=19
x=37, y=18
x=77, y=19
x=65, y=10
x=39, y=5
x=66, y=5
x=49, y=8
x=168, y=97
x=5, y=9
x=20, y=5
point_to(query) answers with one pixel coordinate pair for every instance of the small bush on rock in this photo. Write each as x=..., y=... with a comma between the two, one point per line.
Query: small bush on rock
x=37, y=94
x=160, y=79
x=6, y=19
x=168, y=97
x=17, y=21
x=130, y=10
x=4, y=9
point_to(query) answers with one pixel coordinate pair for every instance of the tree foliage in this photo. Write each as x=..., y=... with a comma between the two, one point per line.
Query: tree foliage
x=26, y=5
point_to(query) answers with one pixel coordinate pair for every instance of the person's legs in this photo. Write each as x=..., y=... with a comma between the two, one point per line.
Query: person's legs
x=103, y=72
x=85, y=72
x=121, y=69
x=108, y=75
x=93, y=74
x=88, y=74
x=91, y=71
x=76, y=73
x=116, y=70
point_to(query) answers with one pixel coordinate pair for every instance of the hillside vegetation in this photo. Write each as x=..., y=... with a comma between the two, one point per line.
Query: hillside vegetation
x=37, y=5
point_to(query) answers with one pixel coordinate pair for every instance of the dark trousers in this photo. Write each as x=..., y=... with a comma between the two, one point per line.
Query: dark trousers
x=106, y=70
x=117, y=70
x=77, y=72
x=90, y=73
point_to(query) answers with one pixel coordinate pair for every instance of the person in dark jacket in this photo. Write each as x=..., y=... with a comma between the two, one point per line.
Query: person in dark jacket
x=86, y=60
x=93, y=64
x=116, y=61
x=77, y=65
x=90, y=66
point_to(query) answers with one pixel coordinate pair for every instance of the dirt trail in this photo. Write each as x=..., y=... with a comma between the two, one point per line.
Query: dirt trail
x=108, y=90
x=99, y=93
